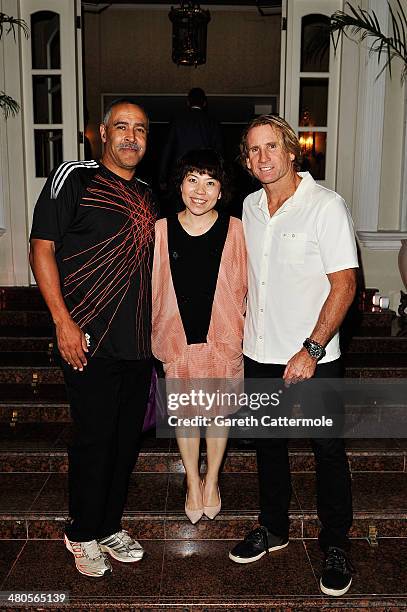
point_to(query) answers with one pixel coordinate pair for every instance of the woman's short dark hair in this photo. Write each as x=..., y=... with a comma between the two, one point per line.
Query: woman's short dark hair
x=203, y=161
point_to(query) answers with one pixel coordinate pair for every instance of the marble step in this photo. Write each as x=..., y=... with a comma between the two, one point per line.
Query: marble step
x=12, y=334
x=21, y=298
x=47, y=404
x=25, y=359
x=35, y=506
x=197, y=576
x=375, y=365
x=37, y=369
x=34, y=316
x=31, y=393
x=20, y=343
x=40, y=411
x=152, y=462
x=28, y=344
x=28, y=319
x=41, y=447
x=376, y=318
x=373, y=344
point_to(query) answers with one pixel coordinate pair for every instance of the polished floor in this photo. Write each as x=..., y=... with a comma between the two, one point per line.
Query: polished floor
x=199, y=573
x=186, y=567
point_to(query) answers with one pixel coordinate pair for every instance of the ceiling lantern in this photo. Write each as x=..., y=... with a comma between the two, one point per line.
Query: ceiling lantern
x=189, y=27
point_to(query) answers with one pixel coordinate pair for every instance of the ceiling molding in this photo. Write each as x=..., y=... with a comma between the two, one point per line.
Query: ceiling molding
x=158, y=5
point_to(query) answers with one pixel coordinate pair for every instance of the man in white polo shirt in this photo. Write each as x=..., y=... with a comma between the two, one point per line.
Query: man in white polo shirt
x=301, y=263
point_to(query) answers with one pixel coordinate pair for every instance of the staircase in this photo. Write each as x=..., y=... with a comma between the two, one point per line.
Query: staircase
x=186, y=567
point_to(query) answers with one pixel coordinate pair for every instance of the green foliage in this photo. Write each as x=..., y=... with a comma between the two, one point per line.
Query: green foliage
x=8, y=105
x=10, y=24
x=363, y=25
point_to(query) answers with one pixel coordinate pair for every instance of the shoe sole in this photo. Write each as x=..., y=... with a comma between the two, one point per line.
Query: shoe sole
x=97, y=576
x=334, y=592
x=114, y=556
x=257, y=557
x=106, y=573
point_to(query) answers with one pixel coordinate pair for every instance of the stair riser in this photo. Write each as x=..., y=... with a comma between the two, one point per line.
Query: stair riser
x=37, y=462
x=21, y=298
x=365, y=603
x=8, y=345
x=378, y=345
x=53, y=376
x=28, y=375
x=383, y=345
x=377, y=318
x=361, y=372
x=25, y=318
x=34, y=414
x=18, y=313
x=14, y=392
x=152, y=527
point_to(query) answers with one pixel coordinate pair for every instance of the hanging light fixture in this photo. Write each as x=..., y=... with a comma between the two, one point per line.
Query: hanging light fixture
x=189, y=27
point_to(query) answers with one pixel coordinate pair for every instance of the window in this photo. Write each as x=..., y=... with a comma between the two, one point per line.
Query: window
x=313, y=103
x=312, y=85
x=46, y=91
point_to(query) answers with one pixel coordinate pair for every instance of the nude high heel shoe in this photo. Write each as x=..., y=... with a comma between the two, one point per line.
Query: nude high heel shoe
x=193, y=515
x=212, y=511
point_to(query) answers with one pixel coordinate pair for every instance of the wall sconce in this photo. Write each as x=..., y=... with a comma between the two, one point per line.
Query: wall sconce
x=189, y=28
x=306, y=143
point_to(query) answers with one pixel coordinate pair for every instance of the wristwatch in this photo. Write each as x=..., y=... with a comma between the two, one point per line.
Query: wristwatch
x=315, y=349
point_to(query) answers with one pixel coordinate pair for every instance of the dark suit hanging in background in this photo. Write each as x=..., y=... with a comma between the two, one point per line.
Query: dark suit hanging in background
x=195, y=129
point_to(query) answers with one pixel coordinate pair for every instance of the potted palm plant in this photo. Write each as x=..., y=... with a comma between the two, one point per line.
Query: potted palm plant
x=360, y=24
x=9, y=24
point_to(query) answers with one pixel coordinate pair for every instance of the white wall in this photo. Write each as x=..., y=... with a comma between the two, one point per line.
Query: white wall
x=380, y=266
x=13, y=243
x=392, y=154
x=347, y=125
x=128, y=50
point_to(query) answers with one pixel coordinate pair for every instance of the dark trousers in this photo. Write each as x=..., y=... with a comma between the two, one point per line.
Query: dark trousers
x=108, y=403
x=334, y=493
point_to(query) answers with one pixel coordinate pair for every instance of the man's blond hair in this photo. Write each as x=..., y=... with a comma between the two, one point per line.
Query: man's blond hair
x=288, y=136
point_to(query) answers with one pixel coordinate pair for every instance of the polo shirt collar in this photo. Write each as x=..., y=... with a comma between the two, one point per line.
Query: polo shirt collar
x=300, y=195
x=303, y=192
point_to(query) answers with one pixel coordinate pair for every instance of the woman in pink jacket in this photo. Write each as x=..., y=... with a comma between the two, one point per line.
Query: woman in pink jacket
x=199, y=298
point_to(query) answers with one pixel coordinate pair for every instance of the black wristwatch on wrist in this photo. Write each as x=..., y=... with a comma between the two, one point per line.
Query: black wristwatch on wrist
x=315, y=350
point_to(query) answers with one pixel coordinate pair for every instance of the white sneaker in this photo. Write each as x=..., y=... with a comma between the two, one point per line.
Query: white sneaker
x=89, y=559
x=122, y=547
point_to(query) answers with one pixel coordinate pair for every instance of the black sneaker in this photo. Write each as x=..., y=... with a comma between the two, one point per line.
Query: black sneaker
x=336, y=575
x=256, y=544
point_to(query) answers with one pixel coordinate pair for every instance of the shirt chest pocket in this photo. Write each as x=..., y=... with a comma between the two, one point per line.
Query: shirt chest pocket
x=291, y=247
